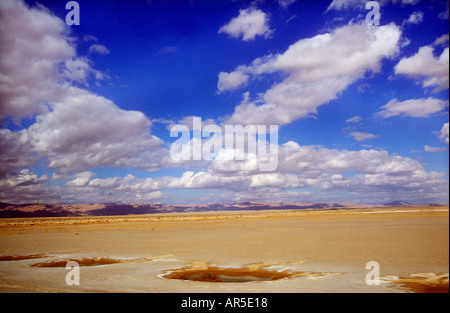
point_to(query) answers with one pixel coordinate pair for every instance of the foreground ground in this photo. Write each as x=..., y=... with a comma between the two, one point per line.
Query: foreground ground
x=264, y=251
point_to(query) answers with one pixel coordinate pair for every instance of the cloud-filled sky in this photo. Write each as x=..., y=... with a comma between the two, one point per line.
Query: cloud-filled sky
x=86, y=110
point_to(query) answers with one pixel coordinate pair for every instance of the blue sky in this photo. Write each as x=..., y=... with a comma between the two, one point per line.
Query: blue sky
x=86, y=109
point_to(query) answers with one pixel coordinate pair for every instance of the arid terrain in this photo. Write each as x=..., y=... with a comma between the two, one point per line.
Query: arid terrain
x=276, y=250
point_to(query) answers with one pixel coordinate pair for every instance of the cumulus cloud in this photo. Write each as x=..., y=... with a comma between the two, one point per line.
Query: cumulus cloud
x=128, y=183
x=38, y=60
x=99, y=49
x=358, y=4
x=23, y=178
x=444, y=133
x=358, y=136
x=354, y=119
x=317, y=168
x=24, y=186
x=129, y=189
x=312, y=167
x=285, y=3
x=82, y=189
x=412, y=108
x=247, y=25
x=15, y=150
x=415, y=18
x=81, y=180
x=433, y=72
x=427, y=148
x=444, y=15
x=33, y=45
x=77, y=70
x=313, y=161
x=317, y=70
x=74, y=129
x=443, y=40
x=201, y=179
x=86, y=130
x=233, y=80
x=344, y=4
x=378, y=172
x=302, y=169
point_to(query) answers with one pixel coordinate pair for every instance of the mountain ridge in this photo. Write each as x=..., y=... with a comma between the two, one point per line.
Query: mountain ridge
x=108, y=209
x=397, y=203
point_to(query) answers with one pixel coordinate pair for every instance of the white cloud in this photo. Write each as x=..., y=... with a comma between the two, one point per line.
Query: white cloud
x=379, y=174
x=427, y=148
x=313, y=161
x=85, y=131
x=74, y=129
x=303, y=171
x=15, y=151
x=77, y=69
x=405, y=42
x=202, y=180
x=38, y=60
x=247, y=25
x=444, y=15
x=128, y=189
x=317, y=70
x=24, y=186
x=348, y=51
x=358, y=136
x=129, y=183
x=32, y=48
x=424, y=66
x=274, y=180
x=444, y=133
x=90, y=38
x=415, y=18
x=97, y=48
x=345, y=4
x=81, y=180
x=233, y=80
x=412, y=108
x=22, y=178
x=443, y=40
x=359, y=4
x=299, y=167
x=307, y=168
x=285, y=3
x=354, y=119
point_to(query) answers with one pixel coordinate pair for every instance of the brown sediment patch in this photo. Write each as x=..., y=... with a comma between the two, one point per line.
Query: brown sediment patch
x=22, y=257
x=226, y=275
x=90, y=261
x=251, y=273
x=81, y=262
x=420, y=282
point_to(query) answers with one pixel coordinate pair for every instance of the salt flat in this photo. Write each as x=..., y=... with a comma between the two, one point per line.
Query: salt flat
x=311, y=250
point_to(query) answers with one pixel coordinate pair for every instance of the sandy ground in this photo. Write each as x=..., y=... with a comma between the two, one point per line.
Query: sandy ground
x=271, y=251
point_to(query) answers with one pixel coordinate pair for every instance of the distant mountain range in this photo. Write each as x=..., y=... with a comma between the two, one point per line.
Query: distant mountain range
x=106, y=209
x=397, y=203
x=47, y=210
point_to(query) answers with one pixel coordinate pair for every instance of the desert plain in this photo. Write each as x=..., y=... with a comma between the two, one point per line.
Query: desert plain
x=279, y=251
